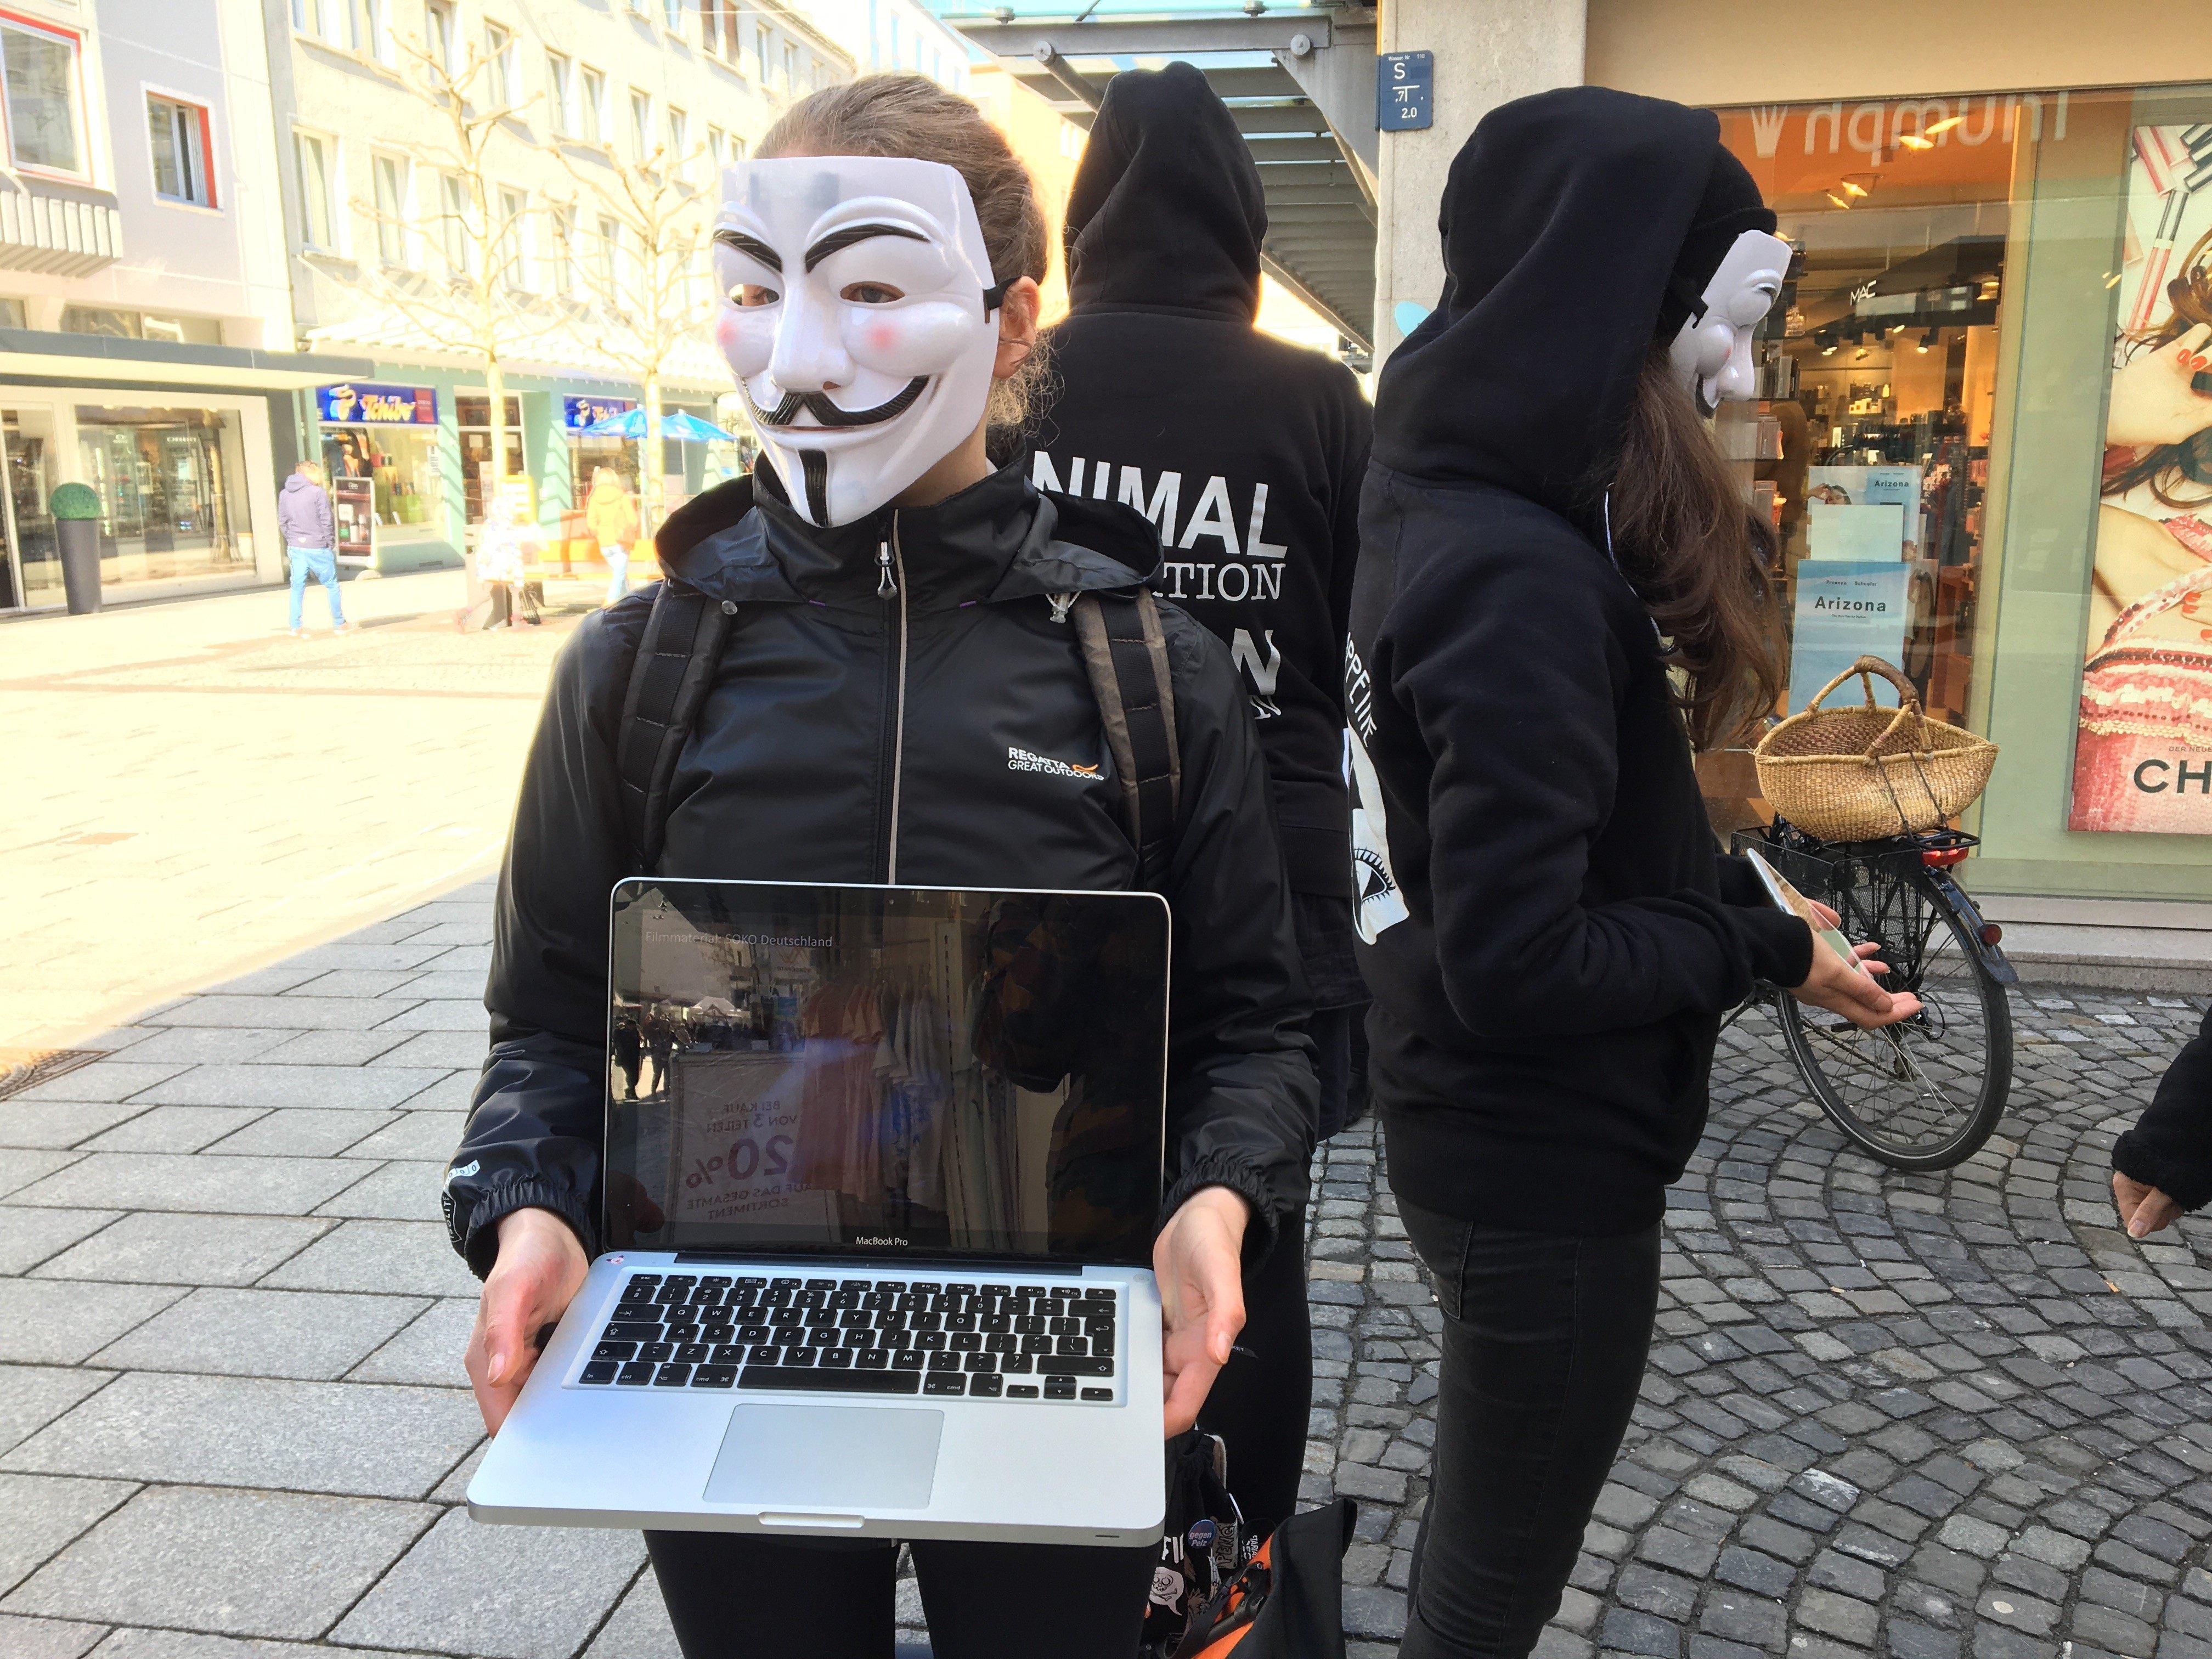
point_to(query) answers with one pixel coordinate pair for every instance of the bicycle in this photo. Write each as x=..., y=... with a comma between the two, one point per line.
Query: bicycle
x=1925, y=1093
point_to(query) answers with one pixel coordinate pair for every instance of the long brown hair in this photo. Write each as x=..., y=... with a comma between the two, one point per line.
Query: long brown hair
x=912, y=115
x=2166, y=467
x=1698, y=555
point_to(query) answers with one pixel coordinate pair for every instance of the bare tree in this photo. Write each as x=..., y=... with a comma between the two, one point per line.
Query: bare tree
x=653, y=280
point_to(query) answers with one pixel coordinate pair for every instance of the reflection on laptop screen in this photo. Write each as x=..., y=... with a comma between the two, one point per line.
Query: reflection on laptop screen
x=879, y=1070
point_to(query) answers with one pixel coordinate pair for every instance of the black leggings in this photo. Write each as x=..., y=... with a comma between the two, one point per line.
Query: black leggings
x=1260, y=1402
x=1544, y=1343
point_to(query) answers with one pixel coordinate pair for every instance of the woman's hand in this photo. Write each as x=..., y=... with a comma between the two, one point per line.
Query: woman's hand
x=1199, y=1262
x=2143, y=1210
x=539, y=1269
x=1835, y=986
x=2152, y=401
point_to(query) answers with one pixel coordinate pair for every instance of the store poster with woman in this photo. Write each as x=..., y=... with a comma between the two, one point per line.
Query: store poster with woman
x=2143, y=755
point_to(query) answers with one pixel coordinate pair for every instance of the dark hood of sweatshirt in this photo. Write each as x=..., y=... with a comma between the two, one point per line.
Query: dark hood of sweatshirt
x=1563, y=219
x=1167, y=209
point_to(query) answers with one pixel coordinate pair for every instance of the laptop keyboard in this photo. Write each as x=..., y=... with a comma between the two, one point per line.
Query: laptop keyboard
x=977, y=1340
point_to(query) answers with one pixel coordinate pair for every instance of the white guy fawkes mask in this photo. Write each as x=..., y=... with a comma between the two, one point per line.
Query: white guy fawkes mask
x=1712, y=351
x=858, y=313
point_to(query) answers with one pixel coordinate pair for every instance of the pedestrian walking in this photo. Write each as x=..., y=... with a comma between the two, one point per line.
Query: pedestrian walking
x=499, y=566
x=310, y=529
x=1251, y=471
x=899, y=696
x=2162, y=1167
x=1560, y=589
x=611, y=515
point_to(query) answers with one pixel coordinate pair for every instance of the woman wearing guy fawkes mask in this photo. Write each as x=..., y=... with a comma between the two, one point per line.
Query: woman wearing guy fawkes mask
x=1549, y=931
x=896, y=634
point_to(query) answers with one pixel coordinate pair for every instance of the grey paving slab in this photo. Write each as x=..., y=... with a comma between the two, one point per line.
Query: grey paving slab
x=406, y=1191
x=504, y=1592
x=455, y=1092
x=224, y=1561
x=315, y=1335
x=415, y=1134
x=356, y=1438
x=357, y=982
x=55, y=1322
x=467, y=959
x=208, y=1183
x=403, y=1258
x=208, y=1045
x=321, y=1088
x=333, y=1048
x=428, y=1351
x=446, y=1014
x=135, y=1642
x=32, y=1397
x=463, y=984
x=45, y=1512
x=28, y=1235
x=462, y=1050
x=638, y=1628
x=295, y=1013
x=46, y=1638
x=158, y=1248
x=104, y=1079
x=19, y=1168
x=473, y=928
x=56, y=1124
x=264, y=981
x=454, y=1488
x=174, y=1129
x=366, y=955
x=303, y=1132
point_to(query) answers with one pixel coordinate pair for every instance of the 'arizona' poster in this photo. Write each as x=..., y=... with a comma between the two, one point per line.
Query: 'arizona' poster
x=2143, y=755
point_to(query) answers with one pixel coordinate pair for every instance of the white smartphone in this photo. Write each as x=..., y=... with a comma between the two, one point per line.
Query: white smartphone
x=1787, y=897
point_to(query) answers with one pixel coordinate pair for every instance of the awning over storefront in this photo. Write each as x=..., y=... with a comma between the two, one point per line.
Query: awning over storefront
x=98, y=357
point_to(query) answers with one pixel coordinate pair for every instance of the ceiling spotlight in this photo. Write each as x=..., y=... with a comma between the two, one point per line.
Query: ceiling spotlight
x=1828, y=349
x=1944, y=125
x=1837, y=199
x=1914, y=141
x=1927, y=340
x=1861, y=354
x=1856, y=192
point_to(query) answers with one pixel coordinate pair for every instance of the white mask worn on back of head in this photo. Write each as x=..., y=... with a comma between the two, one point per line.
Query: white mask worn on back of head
x=1712, y=351
x=860, y=314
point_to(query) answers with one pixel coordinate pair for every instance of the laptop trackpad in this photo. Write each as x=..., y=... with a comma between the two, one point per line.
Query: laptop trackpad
x=833, y=1457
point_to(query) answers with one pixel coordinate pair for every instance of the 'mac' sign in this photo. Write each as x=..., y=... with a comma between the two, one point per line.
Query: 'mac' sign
x=357, y=402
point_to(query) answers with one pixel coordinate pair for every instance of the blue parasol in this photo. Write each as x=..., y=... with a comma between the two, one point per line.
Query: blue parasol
x=685, y=429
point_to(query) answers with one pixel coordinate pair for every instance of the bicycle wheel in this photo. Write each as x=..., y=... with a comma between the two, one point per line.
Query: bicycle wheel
x=1926, y=1093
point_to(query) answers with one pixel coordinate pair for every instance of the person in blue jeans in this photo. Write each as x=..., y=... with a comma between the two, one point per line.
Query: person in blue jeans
x=310, y=529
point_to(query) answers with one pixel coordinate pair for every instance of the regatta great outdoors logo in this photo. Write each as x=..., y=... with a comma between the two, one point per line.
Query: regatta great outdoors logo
x=1020, y=760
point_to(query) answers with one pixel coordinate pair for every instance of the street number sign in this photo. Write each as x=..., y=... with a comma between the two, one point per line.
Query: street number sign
x=1405, y=85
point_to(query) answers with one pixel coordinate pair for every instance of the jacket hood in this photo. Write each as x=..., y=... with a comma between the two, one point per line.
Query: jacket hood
x=1000, y=539
x=1570, y=220
x=297, y=484
x=1166, y=209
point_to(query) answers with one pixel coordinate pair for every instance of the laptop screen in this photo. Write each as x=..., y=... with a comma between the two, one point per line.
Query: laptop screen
x=884, y=1070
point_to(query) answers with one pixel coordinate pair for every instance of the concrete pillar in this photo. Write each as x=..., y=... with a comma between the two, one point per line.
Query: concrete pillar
x=1488, y=53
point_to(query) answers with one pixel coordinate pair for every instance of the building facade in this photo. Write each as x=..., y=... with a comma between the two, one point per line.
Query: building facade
x=145, y=320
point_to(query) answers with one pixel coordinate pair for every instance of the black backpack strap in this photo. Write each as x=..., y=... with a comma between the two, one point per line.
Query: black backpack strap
x=668, y=680
x=1127, y=656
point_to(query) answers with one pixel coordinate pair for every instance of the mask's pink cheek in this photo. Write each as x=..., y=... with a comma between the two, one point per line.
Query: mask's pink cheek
x=883, y=337
x=745, y=344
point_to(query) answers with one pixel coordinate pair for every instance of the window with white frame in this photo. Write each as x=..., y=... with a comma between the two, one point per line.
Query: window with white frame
x=641, y=123
x=454, y=224
x=561, y=250
x=320, y=19
x=438, y=35
x=389, y=178
x=561, y=94
x=514, y=238
x=718, y=150
x=592, y=107
x=179, y=134
x=376, y=41
x=499, y=55
x=41, y=85
x=760, y=55
x=606, y=259
x=679, y=143
x=316, y=155
x=790, y=69
x=671, y=15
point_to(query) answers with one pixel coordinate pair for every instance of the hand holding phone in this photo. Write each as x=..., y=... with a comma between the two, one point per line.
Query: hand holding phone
x=1841, y=980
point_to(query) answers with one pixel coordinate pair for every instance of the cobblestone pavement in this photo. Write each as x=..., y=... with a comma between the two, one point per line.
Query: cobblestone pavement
x=193, y=792
x=1919, y=1417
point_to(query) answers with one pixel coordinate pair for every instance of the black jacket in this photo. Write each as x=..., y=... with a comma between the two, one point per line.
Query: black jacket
x=2171, y=1145
x=798, y=769
x=1247, y=452
x=1554, y=933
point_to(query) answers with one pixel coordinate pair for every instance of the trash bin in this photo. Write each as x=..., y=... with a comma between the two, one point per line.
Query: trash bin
x=76, y=509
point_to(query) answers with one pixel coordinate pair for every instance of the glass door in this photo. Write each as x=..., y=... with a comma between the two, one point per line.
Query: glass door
x=32, y=573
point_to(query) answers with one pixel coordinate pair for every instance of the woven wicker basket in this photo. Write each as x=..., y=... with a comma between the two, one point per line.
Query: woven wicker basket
x=1859, y=773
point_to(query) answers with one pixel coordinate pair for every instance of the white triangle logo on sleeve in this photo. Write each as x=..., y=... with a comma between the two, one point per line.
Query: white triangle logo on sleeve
x=1378, y=904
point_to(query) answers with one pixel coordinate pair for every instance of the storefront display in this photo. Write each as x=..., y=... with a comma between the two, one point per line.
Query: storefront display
x=472, y=412
x=380, y=452
x=588, y=453
x=171, y=484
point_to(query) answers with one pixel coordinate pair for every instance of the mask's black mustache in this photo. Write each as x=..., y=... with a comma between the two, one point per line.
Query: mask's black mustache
x=817, y=404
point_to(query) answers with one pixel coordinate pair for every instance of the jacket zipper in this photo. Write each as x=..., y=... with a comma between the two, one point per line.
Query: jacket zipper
x=890, y=562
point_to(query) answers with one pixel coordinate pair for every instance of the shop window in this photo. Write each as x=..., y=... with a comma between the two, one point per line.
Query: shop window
x=116, y=324
x=171, y=483
x=390, y=180
x=317, y=158
x=180, y=138
x=472, y=416
x=38, y=76
x=592, y=113
x=401, y=464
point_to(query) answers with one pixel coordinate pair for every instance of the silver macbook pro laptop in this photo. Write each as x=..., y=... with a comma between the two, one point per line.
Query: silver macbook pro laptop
x=883, y=1169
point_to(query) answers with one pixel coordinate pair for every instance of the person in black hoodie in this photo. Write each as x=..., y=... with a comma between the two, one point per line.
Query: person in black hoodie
x=1248, y=452
x=890, y=667
x=1547, y=925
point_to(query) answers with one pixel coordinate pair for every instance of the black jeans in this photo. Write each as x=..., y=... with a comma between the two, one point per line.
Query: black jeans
x=1259, y=1403
x=1544, y=1343
x=735, y=1596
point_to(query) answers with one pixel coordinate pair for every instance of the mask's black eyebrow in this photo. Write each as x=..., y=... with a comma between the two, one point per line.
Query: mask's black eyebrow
x=837, y=240
x=753, y=246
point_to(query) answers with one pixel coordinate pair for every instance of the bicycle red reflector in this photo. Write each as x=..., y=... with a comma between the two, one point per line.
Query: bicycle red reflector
x=1991, y=933
x=1943, y=858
